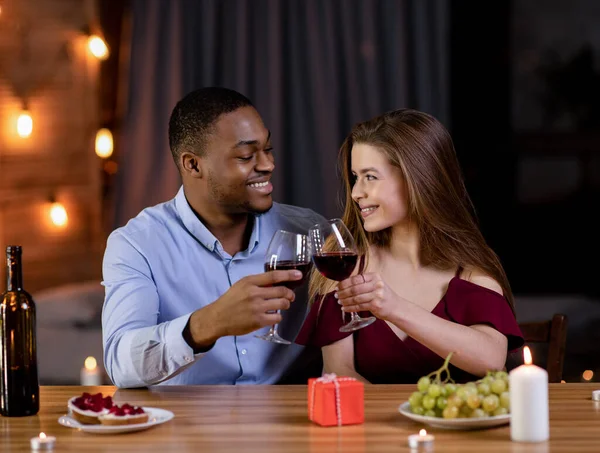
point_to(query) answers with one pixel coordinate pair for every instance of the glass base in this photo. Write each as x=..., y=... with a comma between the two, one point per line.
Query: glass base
x=357, y=323
x=273, y=338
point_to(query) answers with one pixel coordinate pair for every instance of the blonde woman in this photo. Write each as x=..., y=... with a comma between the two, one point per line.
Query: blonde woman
x=426, y=273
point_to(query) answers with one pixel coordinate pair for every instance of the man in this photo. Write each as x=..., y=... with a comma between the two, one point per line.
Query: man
x=185, y=288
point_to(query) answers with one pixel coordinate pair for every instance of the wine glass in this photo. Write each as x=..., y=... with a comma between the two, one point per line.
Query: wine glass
x=335, y=257
x=287, y=251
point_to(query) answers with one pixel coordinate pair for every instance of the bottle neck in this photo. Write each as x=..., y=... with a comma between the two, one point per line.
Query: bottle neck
x=14, y=274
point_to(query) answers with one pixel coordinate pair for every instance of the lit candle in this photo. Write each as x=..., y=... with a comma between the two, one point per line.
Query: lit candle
x=529, y=402
x=43, y=442
x=421, y=440
x=90, y=374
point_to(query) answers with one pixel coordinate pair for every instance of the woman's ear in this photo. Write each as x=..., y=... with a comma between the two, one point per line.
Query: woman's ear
x=191, y=164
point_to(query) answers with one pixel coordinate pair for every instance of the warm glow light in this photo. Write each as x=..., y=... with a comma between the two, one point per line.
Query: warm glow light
x=42, y=436
x=24, y=124
x=422, y=433
x=588, y=375
x=104, y=143
x=58, y=215
x=90, y=363
x=527, y=355
x=98, y=47
x=563, y=381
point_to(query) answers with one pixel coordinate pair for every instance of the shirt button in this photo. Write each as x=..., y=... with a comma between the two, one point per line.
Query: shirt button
x=244, y=351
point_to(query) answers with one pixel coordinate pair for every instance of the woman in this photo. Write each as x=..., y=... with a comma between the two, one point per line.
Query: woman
x=428, y=275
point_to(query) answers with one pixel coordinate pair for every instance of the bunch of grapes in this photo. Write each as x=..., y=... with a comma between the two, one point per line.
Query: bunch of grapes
x=486, y=397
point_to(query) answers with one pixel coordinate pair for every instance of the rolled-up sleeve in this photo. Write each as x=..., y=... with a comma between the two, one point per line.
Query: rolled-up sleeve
x=137, y=350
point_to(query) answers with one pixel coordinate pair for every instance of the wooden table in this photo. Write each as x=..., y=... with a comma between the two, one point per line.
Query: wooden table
x=274, y=419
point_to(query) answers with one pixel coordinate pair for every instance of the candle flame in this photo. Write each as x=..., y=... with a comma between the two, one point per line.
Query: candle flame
x=422, y=433
x=527, y=355
x=42, y=436
x=90, y=363
x=588, y=375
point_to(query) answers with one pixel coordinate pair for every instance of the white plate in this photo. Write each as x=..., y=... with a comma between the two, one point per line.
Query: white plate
x=455, y=423
x=156, y=416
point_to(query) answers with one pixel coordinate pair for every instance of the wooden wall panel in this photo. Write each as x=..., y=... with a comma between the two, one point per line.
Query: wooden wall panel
x=43, y=59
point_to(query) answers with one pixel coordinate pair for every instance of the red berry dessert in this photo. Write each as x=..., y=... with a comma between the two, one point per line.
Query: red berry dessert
x=96, y=409
x=124, y=415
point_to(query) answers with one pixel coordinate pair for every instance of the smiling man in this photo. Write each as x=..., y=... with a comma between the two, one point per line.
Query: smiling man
x=185, y=287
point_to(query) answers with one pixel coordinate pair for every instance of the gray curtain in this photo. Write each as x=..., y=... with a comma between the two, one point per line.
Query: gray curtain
x=312, y=68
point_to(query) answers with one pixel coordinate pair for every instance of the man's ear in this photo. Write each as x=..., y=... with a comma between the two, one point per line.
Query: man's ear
x=191, y=164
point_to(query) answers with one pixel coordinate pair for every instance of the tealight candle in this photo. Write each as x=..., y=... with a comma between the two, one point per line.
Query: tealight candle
x=529, y=402
x=421, y=440
x=90, y=374
x=43, y=442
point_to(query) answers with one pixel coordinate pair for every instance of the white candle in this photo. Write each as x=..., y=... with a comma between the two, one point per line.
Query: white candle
x=90, y=374
x=421, y=440
x=42, y=442
x=529, y=402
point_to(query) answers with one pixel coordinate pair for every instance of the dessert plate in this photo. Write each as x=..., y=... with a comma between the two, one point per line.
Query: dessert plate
x=156, y=416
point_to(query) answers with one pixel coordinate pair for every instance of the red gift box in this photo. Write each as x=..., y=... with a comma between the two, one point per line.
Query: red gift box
x=336, y=401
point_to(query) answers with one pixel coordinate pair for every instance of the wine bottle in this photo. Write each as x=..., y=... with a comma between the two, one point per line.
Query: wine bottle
x=19, y=387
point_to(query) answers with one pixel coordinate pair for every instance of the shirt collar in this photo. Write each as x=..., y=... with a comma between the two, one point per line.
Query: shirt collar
x=202, y=234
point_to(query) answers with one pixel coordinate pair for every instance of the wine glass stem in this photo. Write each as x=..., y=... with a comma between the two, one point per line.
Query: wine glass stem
x=274, y=326
x=354, y=316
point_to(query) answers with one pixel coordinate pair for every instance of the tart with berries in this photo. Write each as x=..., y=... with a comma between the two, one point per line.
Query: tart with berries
x=96, y=409
x=124, y=415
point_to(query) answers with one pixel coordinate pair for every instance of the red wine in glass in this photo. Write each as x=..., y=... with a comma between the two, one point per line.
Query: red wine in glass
x=336, y=265
x=335, y=257
x=288, y=266
x=287, y=251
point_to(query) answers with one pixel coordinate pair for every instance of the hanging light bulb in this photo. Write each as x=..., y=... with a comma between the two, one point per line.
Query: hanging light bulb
x=104, y=143
x=98, y=47
x=58, y=215
x=24, y=124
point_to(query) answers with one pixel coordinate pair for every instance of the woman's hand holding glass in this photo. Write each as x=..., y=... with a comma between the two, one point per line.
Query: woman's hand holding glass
x=367, y=292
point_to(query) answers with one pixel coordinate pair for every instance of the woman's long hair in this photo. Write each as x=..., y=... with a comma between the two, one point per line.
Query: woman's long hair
x=438, y=203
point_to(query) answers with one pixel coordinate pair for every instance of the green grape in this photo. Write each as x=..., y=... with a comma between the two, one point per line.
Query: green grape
x=465, y=412
x=500, y=411
x=462, y=393
x=423, y=384
x=438, y=412
x=429, y=413
x=484, y=389
x=428, y=402
x=434, y=390
x=478, y=413
x=502, y=375
x=488, y=380
x=454, y=401
x=471, y=385
x=450, y=412
x=415, y=399
x=419, y=410
x=490, y=403
x=442, y=403
x=498, y=386
x=505, y=400
x=474, y=401
x=444, y=391
x=451, y=388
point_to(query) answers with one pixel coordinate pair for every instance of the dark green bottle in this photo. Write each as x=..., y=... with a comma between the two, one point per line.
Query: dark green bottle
x=19, y=388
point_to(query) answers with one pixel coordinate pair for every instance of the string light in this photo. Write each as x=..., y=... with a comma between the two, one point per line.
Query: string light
x=98, y=47
x=588, y=375
x=24, y=124
x=104, y=143
x=58, y=215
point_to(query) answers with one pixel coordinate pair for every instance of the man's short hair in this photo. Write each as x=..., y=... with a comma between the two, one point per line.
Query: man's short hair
x=194, y=117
